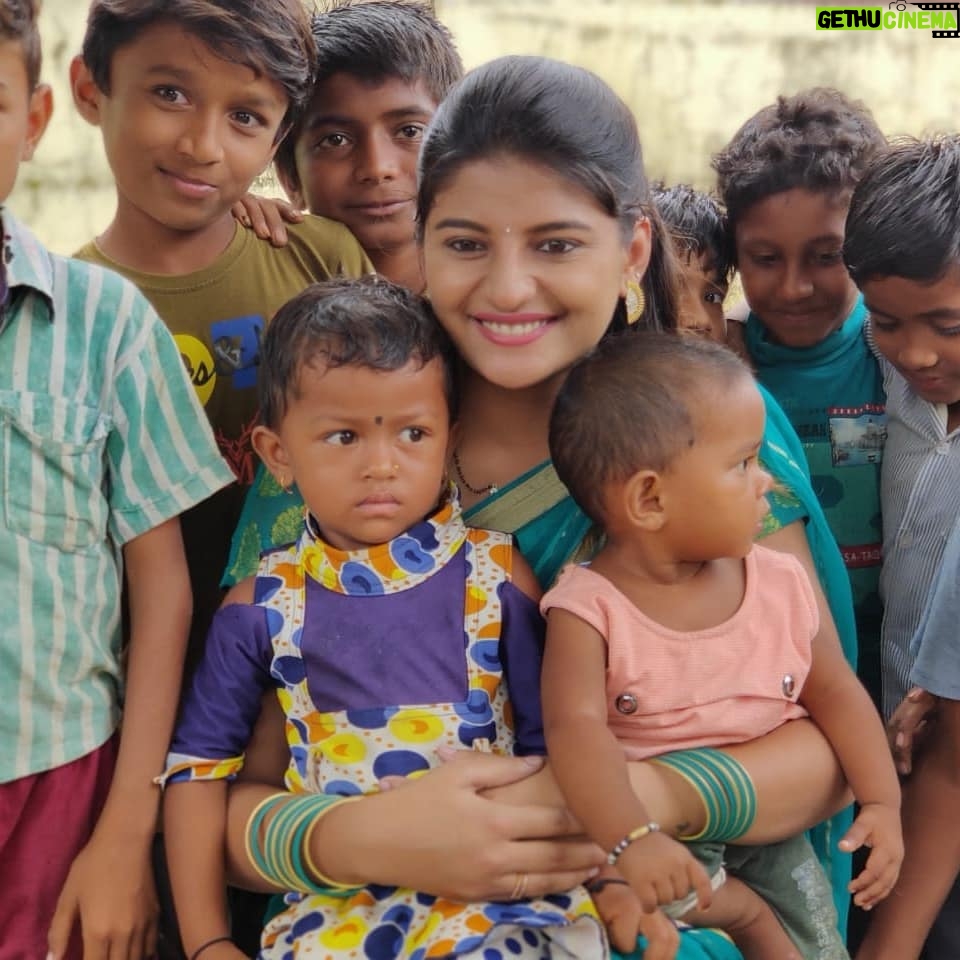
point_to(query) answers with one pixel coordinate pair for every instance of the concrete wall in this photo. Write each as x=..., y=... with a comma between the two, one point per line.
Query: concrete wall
x=692, y=70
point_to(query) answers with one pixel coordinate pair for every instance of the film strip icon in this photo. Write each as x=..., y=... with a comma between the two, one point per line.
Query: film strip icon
x=953, y=7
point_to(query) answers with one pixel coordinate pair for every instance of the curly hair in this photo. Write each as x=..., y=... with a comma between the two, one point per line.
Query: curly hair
x=818, y=140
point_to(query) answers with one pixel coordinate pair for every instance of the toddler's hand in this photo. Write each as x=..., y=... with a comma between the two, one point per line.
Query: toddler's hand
x=663, y=938
x=266, y=216
x=619, y=909
x=877, y=826
x=661, y=870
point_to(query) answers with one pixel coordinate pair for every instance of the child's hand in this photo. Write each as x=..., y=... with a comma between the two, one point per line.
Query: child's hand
x=662, y=870
x=663, y=938
x=109, y=893
x=877, y=826
x=909, y=725
x=266, y=217
x=619, y=909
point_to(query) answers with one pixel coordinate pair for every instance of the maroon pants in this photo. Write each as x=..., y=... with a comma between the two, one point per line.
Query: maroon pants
x=45, y=820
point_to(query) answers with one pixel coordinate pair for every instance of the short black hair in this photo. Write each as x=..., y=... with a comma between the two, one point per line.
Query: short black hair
x=367, y=322
x=904, y=217
x=630, y=405
x=18, y=23
x=818, y=140
x=271, y=37
x=374, y=41
x=697, y=224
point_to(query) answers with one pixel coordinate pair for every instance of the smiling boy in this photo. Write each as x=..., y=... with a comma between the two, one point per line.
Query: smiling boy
x=902, y=248
x=192, y=98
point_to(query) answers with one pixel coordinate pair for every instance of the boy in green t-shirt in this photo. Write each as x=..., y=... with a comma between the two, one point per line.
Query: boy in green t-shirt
x=193, y=98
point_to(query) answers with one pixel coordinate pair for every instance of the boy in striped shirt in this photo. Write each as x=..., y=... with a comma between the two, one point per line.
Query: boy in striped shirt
x=102, y=445
x=902, y=249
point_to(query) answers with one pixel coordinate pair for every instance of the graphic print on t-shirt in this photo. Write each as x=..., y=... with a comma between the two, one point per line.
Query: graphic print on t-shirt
x=857, y=434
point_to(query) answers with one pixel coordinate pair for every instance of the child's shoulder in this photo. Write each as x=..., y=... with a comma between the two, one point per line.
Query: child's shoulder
x=330, y=242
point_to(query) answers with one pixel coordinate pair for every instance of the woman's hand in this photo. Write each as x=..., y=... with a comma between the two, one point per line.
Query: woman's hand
x=909, y=725
x=440, y=834
x=266, y=216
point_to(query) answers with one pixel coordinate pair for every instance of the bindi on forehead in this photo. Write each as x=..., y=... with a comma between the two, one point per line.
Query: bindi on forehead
x=378, y=421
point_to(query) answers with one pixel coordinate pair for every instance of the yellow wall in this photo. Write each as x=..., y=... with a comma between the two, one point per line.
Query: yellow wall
x=692, y=72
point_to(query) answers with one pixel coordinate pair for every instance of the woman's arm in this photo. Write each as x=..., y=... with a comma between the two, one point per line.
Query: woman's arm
x=439, y=834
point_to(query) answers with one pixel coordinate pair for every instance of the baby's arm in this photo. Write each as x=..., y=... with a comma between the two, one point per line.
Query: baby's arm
x=109, y=889
x=591, y=769
x=842, y=709
x=218, y=714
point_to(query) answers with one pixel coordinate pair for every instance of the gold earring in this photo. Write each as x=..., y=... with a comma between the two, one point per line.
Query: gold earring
x=636, y=301
x=282, y=480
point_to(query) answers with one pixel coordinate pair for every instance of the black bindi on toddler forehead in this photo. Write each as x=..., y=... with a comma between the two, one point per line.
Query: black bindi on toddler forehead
x=378, y=421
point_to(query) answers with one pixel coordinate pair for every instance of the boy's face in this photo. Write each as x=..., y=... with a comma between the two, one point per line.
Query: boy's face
x=702, y=293
x=356, y=156
x=23, y=114
x=185, y=131
x=789, y=253
x=916, y=326
x=367, y=448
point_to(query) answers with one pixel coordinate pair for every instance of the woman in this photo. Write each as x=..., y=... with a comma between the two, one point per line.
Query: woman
x=538, y=238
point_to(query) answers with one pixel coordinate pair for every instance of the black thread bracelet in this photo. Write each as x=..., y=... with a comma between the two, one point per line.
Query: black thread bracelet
x=196, y=953
x=601, y=883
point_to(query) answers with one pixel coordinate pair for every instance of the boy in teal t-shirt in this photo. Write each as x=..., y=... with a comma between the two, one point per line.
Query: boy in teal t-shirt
x=786, y=178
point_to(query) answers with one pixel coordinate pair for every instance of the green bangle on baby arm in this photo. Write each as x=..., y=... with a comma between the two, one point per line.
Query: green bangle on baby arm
x=277, y=842
x=723, y=785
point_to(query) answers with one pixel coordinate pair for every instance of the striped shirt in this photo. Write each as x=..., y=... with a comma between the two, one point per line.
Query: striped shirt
x=101, y=440
x=920, y=498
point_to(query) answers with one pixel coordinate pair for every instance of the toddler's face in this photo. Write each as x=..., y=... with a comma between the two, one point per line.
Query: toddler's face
x=916, y=326
x=789, y=254
x=367, y=448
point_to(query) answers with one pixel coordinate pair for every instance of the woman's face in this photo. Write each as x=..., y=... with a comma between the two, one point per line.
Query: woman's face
x=524, y=268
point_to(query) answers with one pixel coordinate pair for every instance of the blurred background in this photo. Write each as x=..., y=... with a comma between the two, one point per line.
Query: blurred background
x=691, y=70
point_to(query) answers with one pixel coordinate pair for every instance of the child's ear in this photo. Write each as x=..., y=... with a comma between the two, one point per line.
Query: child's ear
x=291, y=187
x=86, y=94
x=637, y=257
x=270, y=449
x=642, y=501
x=38, y=116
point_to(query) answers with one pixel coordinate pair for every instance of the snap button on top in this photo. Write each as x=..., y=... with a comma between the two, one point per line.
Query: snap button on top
x=626, y=703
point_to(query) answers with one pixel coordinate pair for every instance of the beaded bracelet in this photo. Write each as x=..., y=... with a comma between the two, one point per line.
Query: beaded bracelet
x=614, y=855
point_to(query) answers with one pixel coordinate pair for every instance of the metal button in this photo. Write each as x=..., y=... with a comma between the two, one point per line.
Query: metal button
x=626, y=703
x=788, y=685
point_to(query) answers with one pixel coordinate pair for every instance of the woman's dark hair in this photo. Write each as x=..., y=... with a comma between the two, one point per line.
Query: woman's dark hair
x=631, y=405
x=367, y=322
x=568, y=120
x=697, y=223
x=904, y=217
x=818, y=140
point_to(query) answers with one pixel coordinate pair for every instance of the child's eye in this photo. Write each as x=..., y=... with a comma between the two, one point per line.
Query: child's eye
x=883, y=325
x=830, y=257
x=333, y=140
x=247, y=119
x=341, y=438
x=411, y=131
x=558, y=246
x=763, y=259
x=413, y=434
x=714, y=297
x=170, y=94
